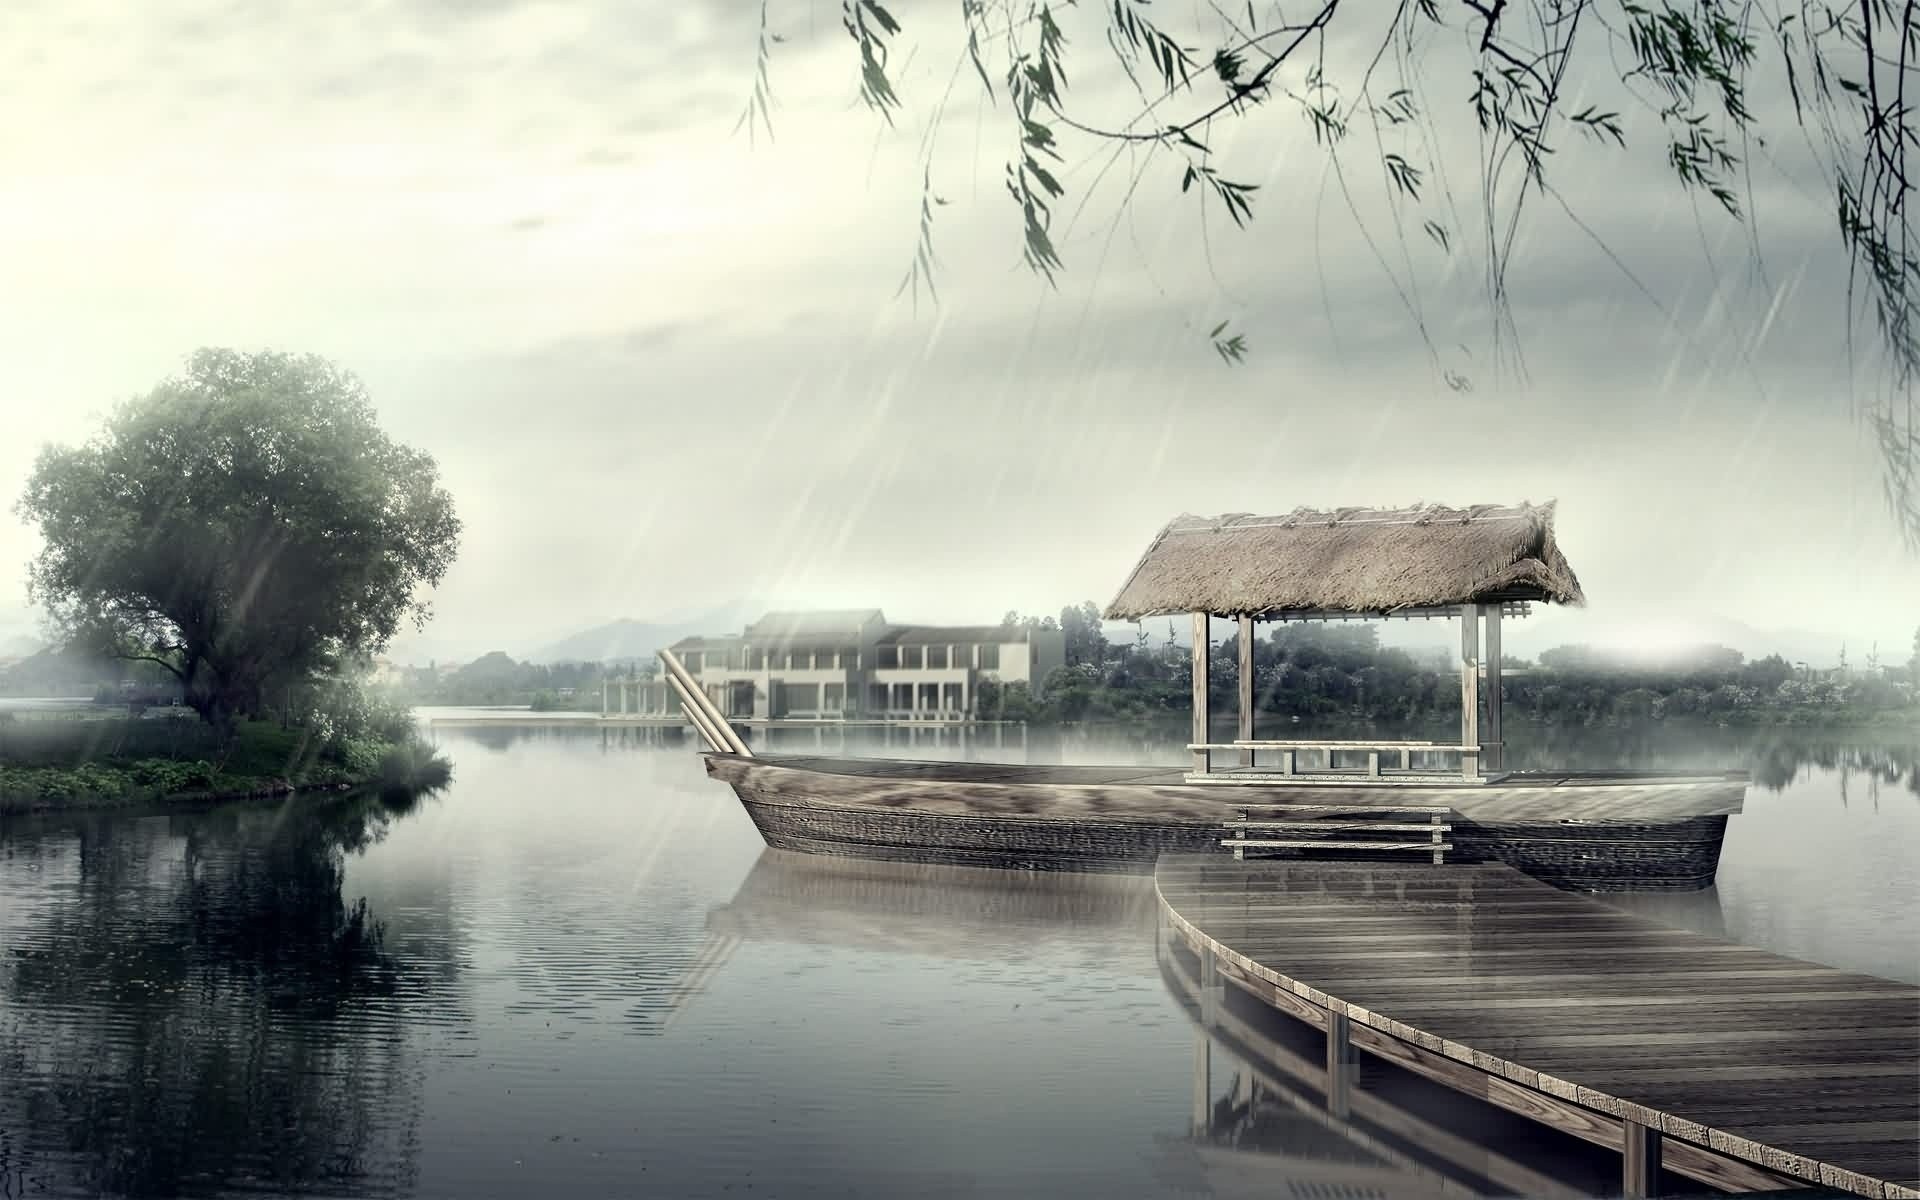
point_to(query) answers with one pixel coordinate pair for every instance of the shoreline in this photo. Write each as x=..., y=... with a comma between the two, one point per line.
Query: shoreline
x=172, y=802
x=14, y=804
x=155, y=783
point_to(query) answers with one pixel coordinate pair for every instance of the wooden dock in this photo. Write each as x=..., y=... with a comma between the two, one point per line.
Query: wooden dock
x=1725, y=1064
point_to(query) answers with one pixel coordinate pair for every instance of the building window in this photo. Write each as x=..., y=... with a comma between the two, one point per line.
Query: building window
x=877, y=697
x=692, y=660
x=936, y=658
x=889, y=657
x=929, y=697
x=835, y=698
x=990, y=657
x=756, y=659
x=824, y=659
x=799, y=660
x=950, y=698
x=910, y=657
x=903, y=697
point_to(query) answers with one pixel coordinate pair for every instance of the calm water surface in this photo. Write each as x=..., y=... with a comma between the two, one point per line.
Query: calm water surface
x=577, y=971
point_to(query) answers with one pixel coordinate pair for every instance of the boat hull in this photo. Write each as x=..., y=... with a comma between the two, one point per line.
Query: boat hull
x=1619, y=832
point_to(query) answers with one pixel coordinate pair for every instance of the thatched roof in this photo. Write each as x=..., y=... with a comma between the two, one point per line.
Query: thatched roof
x=1353, y=560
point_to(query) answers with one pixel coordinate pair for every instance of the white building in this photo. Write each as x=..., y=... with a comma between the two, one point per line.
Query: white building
x=825, y=665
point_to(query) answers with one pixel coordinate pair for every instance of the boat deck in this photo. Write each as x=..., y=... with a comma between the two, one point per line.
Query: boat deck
x=1146, y=776
x=1588, y=796
x=1730, y=1065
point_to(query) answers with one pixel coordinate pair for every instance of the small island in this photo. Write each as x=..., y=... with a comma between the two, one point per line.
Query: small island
x=250, y=538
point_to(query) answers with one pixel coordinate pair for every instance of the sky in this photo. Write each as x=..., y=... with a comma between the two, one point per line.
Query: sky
x=664, y=369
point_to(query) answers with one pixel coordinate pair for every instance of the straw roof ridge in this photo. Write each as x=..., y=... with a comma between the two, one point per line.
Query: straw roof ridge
x=1353, y=560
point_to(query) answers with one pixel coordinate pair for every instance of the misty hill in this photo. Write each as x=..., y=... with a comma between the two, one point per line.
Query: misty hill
x=627, y=638
x=21, y=647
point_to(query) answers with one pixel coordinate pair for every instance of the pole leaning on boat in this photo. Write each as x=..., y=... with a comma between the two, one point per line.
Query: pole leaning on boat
x=705, y=715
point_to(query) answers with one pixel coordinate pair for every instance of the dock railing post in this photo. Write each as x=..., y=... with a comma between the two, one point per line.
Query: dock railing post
x=1212, y=990
x=1340, y=1063
x=1639, y=1161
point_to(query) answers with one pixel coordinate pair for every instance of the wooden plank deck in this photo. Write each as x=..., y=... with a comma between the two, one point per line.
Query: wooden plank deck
x=1748, y=1065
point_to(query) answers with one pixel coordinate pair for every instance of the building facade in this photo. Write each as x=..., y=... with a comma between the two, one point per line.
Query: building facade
x=837, y=665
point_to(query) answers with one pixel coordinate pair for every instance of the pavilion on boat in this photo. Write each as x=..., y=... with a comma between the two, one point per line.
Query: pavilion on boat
x=1477, y=564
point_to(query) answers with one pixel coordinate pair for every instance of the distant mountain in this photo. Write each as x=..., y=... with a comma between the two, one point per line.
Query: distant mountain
x=627, y=638
x=20, y=647
x=492, y=667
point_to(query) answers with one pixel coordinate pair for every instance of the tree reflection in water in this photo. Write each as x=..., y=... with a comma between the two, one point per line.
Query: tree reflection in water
x=185, y=1004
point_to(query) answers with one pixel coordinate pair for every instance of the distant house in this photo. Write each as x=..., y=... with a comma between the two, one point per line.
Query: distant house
x=825, y=665
x=383, y=672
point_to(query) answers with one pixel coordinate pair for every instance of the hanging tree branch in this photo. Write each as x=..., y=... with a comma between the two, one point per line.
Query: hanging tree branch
x=1847, y=64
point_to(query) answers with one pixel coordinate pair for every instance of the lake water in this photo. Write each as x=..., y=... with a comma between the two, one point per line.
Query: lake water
x=578, y=972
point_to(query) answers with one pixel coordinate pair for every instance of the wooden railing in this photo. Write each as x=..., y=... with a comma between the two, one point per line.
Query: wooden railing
x=1306, y=828
x=1385, y=760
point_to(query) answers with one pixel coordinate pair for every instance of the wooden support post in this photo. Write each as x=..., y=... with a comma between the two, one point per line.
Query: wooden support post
x=1340, y=1064
x=1212, y=991
x=1493, y=750
x=1200, y=724
x=1246, y=688
x=1202, y=1081
x=1470, y=689
x=1639, y=1160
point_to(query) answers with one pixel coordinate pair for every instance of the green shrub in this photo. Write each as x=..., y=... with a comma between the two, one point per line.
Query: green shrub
x=413, y=766
x=358, y=755
x=167, y=778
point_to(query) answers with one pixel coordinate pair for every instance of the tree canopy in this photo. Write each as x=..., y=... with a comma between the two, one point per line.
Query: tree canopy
x=1726, y=82
x=244, y=525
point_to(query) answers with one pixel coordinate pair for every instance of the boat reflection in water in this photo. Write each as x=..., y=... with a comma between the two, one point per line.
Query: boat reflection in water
x=928, y=909
x=1263, y=1121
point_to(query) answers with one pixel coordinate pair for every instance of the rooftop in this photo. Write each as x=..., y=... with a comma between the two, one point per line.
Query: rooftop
x=1349, y=560
x=785, y=626
x=936, y=635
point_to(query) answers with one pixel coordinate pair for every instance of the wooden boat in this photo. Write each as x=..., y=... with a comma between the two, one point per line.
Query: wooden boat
x=1591, y=830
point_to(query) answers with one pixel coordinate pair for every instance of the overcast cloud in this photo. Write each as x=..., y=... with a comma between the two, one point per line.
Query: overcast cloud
x=664, y=371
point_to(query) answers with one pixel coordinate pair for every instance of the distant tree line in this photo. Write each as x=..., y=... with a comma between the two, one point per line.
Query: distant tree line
x=1341, y=672
x=498, y=679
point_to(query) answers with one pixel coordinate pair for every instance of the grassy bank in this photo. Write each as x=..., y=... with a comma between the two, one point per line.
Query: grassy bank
x=73, y=761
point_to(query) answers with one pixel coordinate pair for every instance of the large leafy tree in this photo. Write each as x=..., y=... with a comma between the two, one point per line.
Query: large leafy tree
x=1725, y=83
x=244, y=525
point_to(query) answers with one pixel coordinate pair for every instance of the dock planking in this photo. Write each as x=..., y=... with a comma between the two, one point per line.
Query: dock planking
x=1600, y=1021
